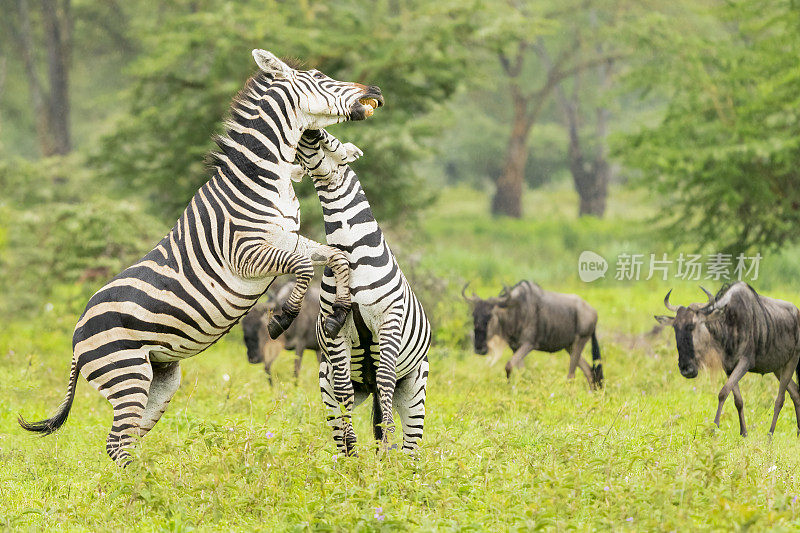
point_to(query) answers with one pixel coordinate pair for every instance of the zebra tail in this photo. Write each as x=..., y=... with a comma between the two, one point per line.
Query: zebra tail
x=50, y=425
x=377, y=419
x=597, y=364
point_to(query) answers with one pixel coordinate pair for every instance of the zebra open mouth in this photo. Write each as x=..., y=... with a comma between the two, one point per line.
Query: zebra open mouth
x=370, y=104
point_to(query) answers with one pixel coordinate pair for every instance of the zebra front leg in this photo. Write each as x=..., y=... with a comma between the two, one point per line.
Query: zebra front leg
x=409, y=400
x=341, y=153
x=336, y=260
x=272, y=257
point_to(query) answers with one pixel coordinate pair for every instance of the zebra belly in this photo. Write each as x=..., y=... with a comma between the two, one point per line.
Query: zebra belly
x=165, y=317
x=364, y=352
x=365, y=348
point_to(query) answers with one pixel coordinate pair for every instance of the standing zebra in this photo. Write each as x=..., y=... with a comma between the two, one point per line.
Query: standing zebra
x=382, y=349
x=239, y=231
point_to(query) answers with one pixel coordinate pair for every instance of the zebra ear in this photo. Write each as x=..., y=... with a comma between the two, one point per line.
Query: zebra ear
x=269, y=63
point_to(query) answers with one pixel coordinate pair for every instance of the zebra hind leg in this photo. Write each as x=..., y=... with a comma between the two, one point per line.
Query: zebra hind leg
x=127, y=388
x=386, y=375
x=409, y=400
x=166, y=380
x=335, y=420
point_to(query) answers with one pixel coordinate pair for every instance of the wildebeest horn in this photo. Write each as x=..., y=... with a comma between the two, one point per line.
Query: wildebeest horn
x=710, y=296
x=667, y=304
x=464, y=294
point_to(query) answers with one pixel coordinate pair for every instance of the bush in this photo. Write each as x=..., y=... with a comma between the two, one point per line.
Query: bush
x=53, y=234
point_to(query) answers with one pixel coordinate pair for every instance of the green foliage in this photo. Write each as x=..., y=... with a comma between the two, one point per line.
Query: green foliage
x=55, y=235
x=536, y=453
x=195, y=62
x=723, y=159
x=474, y=148
x=539, y=452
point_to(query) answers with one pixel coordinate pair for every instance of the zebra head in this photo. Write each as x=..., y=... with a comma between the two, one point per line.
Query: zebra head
x=320, y=100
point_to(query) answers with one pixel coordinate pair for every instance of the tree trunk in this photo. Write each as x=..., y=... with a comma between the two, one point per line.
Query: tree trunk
x=590, y=177
x=507, y=199
x=51, y=106
x=57, y=38
x=591, y=183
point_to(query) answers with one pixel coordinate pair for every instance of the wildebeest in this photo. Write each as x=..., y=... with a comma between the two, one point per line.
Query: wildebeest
x=300, y=336
x=529, y=318
x=754, y=334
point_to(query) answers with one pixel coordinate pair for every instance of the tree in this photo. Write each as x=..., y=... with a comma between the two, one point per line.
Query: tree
x=724, y=157
x=590, y=171
x=50, y=98
x=196, y=60
x=519, y=35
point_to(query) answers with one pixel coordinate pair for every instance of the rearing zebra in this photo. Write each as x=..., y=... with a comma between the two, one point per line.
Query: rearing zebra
x=239, y=231
x=382, y=348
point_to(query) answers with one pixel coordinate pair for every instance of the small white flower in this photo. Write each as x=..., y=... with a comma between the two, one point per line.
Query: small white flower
x=48, y=307
x=226, y=377
x=772, y=468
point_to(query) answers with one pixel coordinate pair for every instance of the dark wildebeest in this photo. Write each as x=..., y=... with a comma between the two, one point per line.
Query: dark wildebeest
x=300, y=336
x=754, y=334
x=528, y=318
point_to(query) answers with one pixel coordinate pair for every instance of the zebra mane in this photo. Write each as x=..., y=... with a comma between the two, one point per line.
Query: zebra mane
x=243, y=104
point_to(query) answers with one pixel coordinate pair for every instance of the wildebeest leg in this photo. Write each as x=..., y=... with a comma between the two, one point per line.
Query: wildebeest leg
x=739, y=370
x=587, y=371
x=575, y=359
x=409, y=400
x=794, y=394
x=516, y=359
x=298, y=359
x=272, y=349
x=495, y=346
x=785, y=378
x=739, y=402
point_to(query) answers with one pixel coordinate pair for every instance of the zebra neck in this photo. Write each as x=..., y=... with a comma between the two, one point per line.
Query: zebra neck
x=344, y=203
x=261, y=136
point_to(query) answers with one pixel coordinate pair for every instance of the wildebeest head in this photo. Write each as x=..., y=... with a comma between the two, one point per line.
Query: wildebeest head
x=254, y=325
x=482, y=311
x=686, y=323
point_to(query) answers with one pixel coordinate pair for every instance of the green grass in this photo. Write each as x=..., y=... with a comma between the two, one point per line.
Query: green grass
x=538, y=452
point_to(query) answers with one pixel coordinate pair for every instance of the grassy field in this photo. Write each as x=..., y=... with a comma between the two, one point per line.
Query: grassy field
x=538, y=452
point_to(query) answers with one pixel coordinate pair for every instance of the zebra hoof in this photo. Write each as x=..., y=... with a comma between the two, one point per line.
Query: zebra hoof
x=334, y=323
x=279, y=324
x=274, y=328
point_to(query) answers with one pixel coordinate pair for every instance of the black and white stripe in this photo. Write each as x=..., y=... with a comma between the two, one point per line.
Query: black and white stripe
x=239, y=231
x=382, y=349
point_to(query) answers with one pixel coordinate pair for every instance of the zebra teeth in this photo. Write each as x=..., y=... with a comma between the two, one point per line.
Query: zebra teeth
x=370, y=103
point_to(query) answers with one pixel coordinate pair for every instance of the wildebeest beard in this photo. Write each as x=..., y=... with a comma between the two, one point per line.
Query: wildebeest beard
x=481, y=314
x=687, y=360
